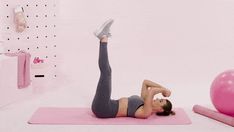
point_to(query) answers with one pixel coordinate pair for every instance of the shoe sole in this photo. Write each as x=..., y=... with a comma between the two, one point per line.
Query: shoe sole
x=98, y=31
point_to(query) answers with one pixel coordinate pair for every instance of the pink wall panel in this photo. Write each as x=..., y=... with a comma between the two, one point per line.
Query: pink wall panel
x=39, y=39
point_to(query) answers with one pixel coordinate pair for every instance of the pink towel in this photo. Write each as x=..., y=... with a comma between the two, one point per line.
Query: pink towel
x=23, y=68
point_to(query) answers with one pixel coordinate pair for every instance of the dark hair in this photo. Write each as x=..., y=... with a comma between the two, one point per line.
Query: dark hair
x=166, y=109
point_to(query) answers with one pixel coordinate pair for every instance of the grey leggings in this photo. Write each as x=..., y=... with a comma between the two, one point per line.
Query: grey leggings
x=103, y=106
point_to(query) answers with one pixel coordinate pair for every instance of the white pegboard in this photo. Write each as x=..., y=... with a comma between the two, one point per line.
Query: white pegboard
x=40, y=36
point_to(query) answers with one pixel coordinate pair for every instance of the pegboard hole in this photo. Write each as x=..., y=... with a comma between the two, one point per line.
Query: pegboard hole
x=27, y=16
x=8, y=38
x=54, y=25
x=18, y=38
x=55, y=36
x=55, y=45
x=45, y=15
x=18, y=49
x=27, y=5
x=37, y=47
x=46, y=26
x=8, y=27
x=28, y=48
x=55, y=55
x=45, y=5
x=37, y=26
x=7, y=16
x=46, y=36
x=37, y=37
x=27, y=37
x=46, y=57
x=8, y=50
x=37, y=16
x=36, y=5
x=27, y=26
x=55, y=65
x=46, y=47
x=7, y=5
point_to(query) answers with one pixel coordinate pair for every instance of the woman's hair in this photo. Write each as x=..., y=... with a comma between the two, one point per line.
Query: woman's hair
x=166, y=109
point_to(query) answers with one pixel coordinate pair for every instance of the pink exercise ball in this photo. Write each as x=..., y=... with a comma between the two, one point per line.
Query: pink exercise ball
x=222, y=92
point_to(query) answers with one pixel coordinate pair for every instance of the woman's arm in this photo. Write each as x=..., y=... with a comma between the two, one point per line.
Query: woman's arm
x=144, y=89
x=147, y=83
x=146, y=110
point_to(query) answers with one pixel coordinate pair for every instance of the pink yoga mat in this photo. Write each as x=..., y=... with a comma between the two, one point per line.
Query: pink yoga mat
x=214, y=115
x=84, y=116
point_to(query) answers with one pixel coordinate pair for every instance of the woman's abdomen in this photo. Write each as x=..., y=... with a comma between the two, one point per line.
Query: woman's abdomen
x=123, y=106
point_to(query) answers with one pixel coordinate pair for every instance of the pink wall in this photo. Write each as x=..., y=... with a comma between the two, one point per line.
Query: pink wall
x=181, y=44
x=39, y=39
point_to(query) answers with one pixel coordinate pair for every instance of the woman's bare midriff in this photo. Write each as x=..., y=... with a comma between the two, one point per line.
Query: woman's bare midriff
x=123, y=106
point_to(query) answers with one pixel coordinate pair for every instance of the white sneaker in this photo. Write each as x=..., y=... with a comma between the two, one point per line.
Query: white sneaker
x=104, y=29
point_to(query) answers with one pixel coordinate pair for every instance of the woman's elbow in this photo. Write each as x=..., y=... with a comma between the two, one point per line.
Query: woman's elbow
x=145, y=80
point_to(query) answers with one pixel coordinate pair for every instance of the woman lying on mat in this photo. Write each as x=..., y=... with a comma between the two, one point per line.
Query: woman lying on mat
x=139, y=107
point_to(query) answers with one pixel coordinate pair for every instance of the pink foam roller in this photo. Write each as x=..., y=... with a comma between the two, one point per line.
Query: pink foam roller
x=214, y=114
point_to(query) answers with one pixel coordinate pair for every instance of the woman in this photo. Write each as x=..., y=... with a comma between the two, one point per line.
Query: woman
x=135, y=106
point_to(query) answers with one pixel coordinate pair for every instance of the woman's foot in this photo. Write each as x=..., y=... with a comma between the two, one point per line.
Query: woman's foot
x=104, y=30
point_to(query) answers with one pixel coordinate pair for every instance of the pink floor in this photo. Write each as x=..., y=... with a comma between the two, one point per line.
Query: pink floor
x=14, y=117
